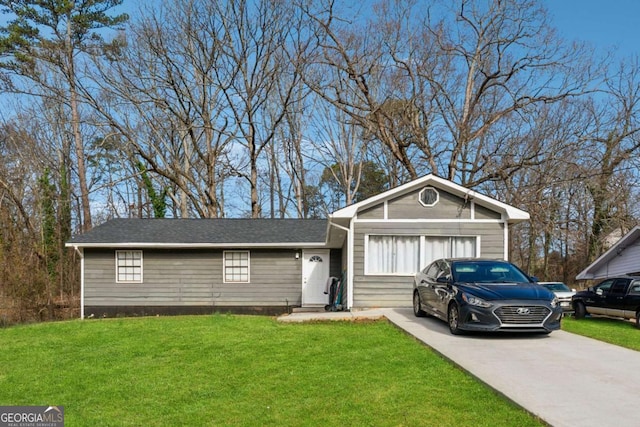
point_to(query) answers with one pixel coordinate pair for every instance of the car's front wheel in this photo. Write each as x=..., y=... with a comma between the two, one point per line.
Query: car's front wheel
x=417, y=309
x=453, y=318
x=580, y=310
x=638, y=320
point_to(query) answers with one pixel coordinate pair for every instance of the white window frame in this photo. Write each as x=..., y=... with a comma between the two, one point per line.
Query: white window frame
x=367, y=267
x=224, y=267
x=422, y=249
x=429, y=205
x=119, y=265
x=423, y=243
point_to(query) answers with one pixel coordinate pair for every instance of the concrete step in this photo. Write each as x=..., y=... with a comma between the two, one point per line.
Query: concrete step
x=309, y=309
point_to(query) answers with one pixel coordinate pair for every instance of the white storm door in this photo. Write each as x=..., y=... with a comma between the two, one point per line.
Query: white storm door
x=315, y=273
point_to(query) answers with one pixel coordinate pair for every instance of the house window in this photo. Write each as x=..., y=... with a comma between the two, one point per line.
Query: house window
x=429, y=196
x=405, y=255
x=448, y=247
x=128, y=266
x=393, y=255
x=236, y=266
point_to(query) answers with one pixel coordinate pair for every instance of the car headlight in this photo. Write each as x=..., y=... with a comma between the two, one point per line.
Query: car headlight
x=554, y=302
x=473, y=300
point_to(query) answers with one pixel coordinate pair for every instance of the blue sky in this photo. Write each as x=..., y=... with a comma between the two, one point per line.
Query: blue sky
x=602, y=23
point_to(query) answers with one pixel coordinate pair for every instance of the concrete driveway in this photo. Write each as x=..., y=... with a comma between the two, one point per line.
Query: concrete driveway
x=565, y=379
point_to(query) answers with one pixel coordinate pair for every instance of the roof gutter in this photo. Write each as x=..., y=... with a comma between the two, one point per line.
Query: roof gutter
x=343, y=228
x=161, y=245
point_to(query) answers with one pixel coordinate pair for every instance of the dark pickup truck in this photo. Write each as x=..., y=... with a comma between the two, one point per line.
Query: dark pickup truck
x=614, y=297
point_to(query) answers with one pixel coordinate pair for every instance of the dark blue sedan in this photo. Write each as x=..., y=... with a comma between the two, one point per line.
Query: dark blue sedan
x=474, y=294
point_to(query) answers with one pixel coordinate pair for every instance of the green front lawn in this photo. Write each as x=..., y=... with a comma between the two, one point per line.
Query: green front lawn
x=228, y=370
x=614, y=331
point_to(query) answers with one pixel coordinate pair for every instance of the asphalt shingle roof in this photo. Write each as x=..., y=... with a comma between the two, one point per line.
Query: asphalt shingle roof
x=205, y=231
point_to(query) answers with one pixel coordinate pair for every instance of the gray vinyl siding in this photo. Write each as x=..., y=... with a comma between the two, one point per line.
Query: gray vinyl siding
x=336, y=267
x=395, y=291
x=376, y=212
x=409, y=207
x=344, y=266
x=483, y=213
x=194, y=278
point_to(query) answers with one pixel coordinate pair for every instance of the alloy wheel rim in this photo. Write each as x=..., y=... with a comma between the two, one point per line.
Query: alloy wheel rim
x=453, y=317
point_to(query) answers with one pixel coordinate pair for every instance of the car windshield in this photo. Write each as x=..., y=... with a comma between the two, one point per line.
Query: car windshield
x=557, y=287
x=487, y=272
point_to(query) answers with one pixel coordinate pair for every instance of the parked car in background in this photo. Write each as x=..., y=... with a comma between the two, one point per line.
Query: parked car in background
x=563, y=293
x=474, y=294
x=613, y=297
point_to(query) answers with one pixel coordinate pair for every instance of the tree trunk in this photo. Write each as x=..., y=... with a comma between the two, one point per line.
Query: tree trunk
x=77, y=135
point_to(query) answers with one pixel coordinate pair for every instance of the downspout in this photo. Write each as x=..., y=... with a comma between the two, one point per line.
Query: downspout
x=81, y=255
x=349, y=262
x=506, y=241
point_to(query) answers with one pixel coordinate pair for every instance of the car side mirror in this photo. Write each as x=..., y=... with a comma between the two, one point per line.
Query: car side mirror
x=599, y=292
x=534, y=279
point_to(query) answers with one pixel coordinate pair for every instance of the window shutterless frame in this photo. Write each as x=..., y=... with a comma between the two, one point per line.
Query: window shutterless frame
x=382, y=253
x=429, y=197
x=236, y=266
x=129, y=266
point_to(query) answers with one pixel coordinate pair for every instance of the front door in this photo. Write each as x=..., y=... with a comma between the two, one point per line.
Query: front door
x=315, y=273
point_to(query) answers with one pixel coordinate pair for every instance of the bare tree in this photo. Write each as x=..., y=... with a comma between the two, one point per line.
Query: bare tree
x=292, y=159
x=44, y=37
x=610, y=141
x=214, y=86
x=259, y=51
x=340, y=153
x=351, y=64
x=501, y=61
x=158, y=95
x=453, y=88
x=35, y=272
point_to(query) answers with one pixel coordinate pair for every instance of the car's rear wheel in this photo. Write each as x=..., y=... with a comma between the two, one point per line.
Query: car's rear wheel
x=453, y=318
x=638, y=320
x=580, y=310
x=417, y=310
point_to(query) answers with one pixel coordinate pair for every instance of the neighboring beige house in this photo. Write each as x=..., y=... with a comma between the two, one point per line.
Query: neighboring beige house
x=151, y=266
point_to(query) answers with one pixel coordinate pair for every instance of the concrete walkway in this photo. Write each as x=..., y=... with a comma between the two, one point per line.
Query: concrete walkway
x=565, y=379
